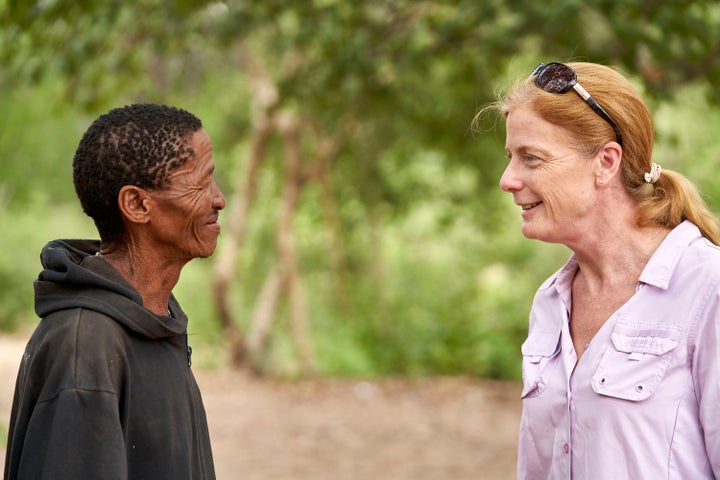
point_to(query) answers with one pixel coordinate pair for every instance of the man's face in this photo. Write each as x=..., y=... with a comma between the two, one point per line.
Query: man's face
x=185, y=221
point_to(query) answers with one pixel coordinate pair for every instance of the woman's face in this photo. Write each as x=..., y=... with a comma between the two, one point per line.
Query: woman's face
x=184, y=224
x=548, y=178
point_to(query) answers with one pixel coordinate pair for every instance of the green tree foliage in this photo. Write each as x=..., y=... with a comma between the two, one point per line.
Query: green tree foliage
x=399, y=76
x=395, y=84
x=666, y=43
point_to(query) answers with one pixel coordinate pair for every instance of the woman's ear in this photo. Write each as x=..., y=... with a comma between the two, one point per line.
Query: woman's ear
x=607, y=161
x=135, y=204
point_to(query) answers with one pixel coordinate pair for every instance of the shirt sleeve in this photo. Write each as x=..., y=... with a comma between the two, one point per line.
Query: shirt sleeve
x=522, y=461
x=76, y=434
x=706, y=376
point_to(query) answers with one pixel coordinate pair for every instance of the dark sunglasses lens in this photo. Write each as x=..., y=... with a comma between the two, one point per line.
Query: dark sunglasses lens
x=556, y=78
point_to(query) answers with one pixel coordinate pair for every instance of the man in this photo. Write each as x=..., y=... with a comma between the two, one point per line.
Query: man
x=105, y=388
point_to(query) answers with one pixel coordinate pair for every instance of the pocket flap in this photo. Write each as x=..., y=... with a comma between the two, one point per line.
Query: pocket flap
x=540, y=352
x=634, y=337
x=540, y=344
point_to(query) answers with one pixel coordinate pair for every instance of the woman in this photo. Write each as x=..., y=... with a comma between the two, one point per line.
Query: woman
x=105, y=388
x=621, y=367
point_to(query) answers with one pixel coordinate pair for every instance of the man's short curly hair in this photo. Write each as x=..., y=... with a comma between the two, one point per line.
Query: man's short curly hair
x=133, y=145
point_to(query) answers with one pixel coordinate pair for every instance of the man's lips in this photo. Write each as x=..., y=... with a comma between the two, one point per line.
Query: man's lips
x=213, y=223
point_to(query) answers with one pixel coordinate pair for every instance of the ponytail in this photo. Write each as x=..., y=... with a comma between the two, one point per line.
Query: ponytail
x=673, y=199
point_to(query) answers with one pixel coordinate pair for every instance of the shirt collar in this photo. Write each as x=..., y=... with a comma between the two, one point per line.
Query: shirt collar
x=663, y=262
x=566, y=275
x=658, y=270
x=562, y=280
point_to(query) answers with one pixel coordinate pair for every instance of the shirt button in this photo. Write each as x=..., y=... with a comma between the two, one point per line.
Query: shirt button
x=566, y=448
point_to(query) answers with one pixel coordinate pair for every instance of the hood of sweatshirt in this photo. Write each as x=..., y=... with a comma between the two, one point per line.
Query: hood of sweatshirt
x=74, y=276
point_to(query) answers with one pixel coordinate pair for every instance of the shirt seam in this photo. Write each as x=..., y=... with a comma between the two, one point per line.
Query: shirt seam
x=75, y=389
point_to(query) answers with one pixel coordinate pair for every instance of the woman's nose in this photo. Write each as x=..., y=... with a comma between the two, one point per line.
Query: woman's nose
x=509, y=181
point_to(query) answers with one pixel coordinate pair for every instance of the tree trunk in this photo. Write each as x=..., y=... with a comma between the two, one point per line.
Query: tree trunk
x=287, y=256
x=265, y=98
x=326, y=150
x=225, y=265
x=263, y=318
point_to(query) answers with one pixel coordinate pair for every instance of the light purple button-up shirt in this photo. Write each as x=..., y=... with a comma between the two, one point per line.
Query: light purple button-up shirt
x=644, y=400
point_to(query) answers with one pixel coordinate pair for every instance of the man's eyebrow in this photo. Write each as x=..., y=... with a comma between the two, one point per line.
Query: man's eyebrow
x=209, y=170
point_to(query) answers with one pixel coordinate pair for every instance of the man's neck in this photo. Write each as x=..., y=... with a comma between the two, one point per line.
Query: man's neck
x=152, y=276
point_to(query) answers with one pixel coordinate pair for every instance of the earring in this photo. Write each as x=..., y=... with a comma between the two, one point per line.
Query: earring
x=601, y=181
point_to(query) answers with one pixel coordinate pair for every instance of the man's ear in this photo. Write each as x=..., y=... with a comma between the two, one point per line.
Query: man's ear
x=608, y=160
x=135, y=204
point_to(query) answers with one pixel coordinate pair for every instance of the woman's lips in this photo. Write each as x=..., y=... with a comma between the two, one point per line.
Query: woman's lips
x=528, y=206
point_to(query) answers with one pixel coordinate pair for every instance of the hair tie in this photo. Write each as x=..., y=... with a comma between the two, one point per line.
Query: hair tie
x=654, y=174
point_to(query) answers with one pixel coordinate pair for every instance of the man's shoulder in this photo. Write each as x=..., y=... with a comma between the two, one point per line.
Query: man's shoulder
x=80, y=335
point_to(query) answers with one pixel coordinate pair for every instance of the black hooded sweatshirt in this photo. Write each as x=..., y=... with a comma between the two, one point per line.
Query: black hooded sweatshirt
x=105, y=389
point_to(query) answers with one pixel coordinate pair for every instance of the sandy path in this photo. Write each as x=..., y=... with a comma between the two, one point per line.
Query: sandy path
x=435, y=429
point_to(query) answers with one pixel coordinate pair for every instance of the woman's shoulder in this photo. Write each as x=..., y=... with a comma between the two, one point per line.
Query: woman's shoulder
x=702, y=254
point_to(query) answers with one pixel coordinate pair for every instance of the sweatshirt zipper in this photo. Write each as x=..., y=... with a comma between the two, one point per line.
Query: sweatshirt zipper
x=189, y=351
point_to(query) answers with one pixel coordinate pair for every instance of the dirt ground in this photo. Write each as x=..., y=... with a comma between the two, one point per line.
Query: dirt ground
x=432, y=429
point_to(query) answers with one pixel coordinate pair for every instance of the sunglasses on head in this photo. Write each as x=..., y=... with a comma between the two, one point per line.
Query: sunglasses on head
x=559, y=78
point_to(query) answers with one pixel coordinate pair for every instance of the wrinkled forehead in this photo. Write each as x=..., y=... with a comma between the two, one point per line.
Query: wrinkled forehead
x=199, y=165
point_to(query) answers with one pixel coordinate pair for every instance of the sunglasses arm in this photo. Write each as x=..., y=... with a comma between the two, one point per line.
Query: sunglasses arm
x=596, y=106
x=589, y=100
x=583, y=93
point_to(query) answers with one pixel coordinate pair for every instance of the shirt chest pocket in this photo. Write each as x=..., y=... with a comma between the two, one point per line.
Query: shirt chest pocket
x=635, y=364
x=541, y=352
